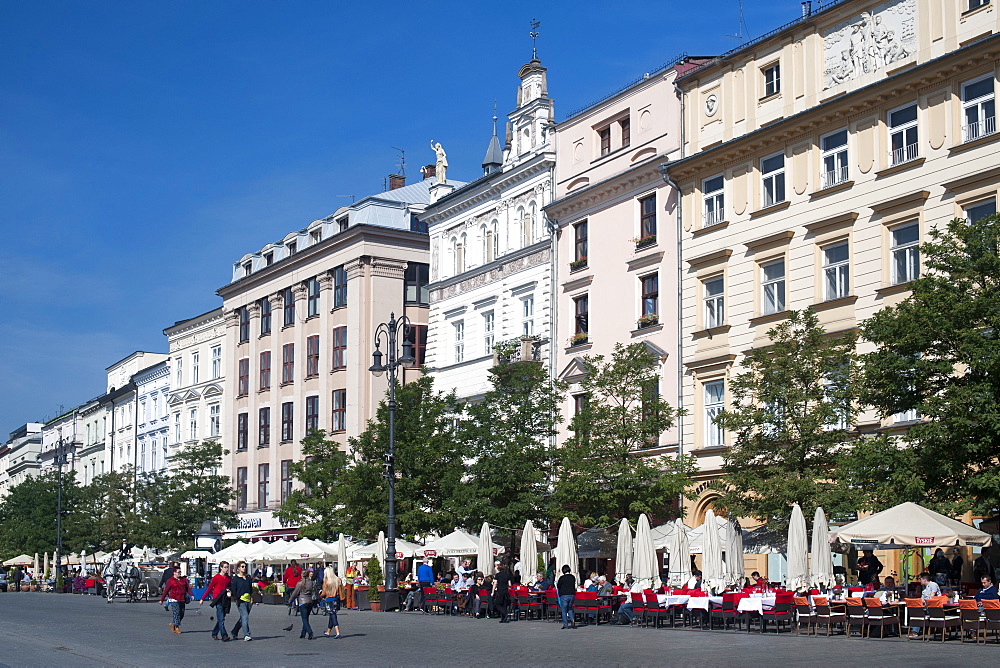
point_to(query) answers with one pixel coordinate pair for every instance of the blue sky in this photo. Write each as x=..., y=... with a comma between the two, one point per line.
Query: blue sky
x=144, y=147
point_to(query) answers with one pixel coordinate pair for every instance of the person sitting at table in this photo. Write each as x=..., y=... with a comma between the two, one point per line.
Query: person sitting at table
x=931, y=589
x=462, y=583
x=989, y=590
x=591, y=580
x=629, y=581
x=695, y=581
x=604, y=588
x=758, y=581
x=540, y=583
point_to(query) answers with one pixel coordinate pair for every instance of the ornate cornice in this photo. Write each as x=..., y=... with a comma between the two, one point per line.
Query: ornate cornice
x=489, y=273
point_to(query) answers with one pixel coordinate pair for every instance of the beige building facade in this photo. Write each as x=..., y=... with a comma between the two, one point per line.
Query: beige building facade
x=816, y=161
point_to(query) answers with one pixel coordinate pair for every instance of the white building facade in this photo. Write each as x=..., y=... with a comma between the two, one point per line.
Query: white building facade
x=66, y=432
x=120, y=406
x=20, y=456
x=152, y=386
x=491, y=249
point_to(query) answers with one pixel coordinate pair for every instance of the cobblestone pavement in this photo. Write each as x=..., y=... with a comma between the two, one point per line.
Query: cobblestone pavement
x=68, y=630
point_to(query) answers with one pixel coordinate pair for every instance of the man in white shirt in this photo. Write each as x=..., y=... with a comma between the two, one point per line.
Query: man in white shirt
x=463, y=569
x=931, y=589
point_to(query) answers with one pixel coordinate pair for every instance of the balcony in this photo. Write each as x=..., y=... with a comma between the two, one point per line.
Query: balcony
x=979, y=129
x=904, y=154
x=834, y=177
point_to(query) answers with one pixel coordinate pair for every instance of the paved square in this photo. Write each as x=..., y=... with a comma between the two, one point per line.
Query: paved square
x=73, y=630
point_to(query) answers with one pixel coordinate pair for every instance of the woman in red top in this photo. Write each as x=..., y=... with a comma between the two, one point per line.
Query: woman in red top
x=218, y=592
x=176, y=592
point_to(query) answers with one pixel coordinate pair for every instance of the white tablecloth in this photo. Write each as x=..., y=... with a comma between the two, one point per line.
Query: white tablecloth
x=700, y=602
x=667, y=600
x=756, y=604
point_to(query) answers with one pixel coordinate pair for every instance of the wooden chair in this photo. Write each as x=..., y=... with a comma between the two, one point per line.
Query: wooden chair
x=826, y=615
x=804, y=616
x=916, y=615
x=968, y=610
x=855, y=613
x=939, y=618
x=881, y=617
x=991, y=608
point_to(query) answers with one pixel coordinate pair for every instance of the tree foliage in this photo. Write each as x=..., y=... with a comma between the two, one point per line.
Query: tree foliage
x=604, y=476
x=789, y=411
x=317, y=506
x=938, y=352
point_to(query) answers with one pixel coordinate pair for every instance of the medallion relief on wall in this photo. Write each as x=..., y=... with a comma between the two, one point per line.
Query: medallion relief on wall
x=870, y=42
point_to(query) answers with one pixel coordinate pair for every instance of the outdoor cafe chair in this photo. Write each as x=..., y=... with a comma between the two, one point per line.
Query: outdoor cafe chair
x=638, y=608
x=881, y=617
x=485, y=599
x=939, y=618
x=651, y=608
x=991, y=609
x=855, y=613
x=916, y=614
x=804, y=616
x=551, y=608
x=826, y=616
x=780, y=613
x=726, y=612
x=430, y=598
x=530, y=605
x=968, y=610
x=585, y=605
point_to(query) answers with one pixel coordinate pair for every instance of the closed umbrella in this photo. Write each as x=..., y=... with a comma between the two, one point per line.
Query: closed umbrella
x=380, y=553
x=680, y=557
x=45, y=569
x=34, y=572
x=797, y=551
x=342, y=556
x=623, y=557
x=529, y=551
x=566, y=549
x=734, y=553
x=644, y=556
x=712, y=570
x=83, y=562
x=821, y=569
x=484, y=554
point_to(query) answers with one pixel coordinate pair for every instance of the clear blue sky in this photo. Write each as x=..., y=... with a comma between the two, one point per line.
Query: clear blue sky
x=146, y=146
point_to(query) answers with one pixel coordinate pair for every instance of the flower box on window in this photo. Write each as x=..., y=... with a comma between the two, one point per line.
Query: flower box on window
x=578, y=264
x=578, y=339
x=647, y=321
x=643, y=242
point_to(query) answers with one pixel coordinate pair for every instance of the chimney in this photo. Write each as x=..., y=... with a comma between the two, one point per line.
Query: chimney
x=807, y=8
x=396, y=181
x=428, y=171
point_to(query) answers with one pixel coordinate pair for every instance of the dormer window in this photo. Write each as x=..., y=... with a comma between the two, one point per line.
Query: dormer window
x=342, y=224
x=268, y=259
x=626, y=128
x=316, y=236
x=604, y=134
x=292, y=247
x=247, y=269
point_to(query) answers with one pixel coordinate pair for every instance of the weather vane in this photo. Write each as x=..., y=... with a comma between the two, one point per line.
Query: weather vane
x=534, y=38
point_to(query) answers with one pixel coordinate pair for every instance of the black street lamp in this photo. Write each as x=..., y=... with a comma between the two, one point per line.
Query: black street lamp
x=59, y=458
x=392, y=333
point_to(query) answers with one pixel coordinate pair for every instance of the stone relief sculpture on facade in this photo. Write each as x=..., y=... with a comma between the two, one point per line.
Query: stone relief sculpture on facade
x=869, y=43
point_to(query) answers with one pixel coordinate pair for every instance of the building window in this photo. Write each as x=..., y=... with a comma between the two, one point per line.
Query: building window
x=415, y=341
x=286, y=479
x=834, y=158
x=288, y=301
x=772, y=79
x=243, y=387
x=772, y=170
x=905, y=253
x=416, y=280
x=214, y=420
x=268, y=259
x=715, y=307
x=193, y=424
x=312, y=297
x=489, y=321
x=312, y=414
x=604, y=136
x=265, y=316
x=528, y=316
x=315, y=236
x=177, y=427
x=909, y=415
x=195, y=357
x=241, y=488
x=292, y=246
x=715, y=396
x=978, y=109
x=179, y=372
x=242, y=428
x=579, y=403
x=244, y=324
x=903, y=134
x=216, y=365
x=265, y=370
x=626, y=128
x=339, y=414
x=836, y=271
x=263, y=484
x=647, y=219
x=264, y=427
x=580, y=242
x=458, y=257
x=772, y=282
x=650, y=294
x=287, y=421
x=489, y=253
x=342, y=223
x=976, y=212
x=339, y=286
x=339, y=349
x=581, y=322
x=527, y=227
x=714, y=200
x=288, y=363
x=312, y=356
x=459, y=333
x=976, y=4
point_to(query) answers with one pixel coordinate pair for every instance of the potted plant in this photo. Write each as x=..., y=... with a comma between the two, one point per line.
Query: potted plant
x=578, y=264
x=578, y=339
x=270, y=595
x=647, y=321
x=376, y=583
x=647, y=240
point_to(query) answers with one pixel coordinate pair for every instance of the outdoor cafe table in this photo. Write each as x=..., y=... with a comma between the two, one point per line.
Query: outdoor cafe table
x=690, y=602
x=756, y=604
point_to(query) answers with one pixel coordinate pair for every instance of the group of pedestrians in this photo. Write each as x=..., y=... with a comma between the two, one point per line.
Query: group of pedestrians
x=329, y=592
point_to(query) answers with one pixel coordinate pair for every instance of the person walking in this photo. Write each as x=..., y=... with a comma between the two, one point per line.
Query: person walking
x=176, y=592
x=303, y=597
x=291, y=578
x=566, y=587
x=331, y=592
x=240, y=587
x=218, y=591
x=501, y=592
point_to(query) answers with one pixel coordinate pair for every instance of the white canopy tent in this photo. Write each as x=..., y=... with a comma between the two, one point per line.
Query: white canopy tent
x=909, y=525
x=196, y=554
x=529, y=552
x=484, y=552
x=366, y=552
x=733, y=545
x=342, y=556
x=231, y=553
x=275, y=552
x=821, y=565
x=20, y=560
x=308, y=550
x=680, y=555
x=456, y=544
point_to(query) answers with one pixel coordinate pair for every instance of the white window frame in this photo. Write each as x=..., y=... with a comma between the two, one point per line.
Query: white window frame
x=772, y=289
x=214, y=420
x=904, y=256
x=772, y=79
x=177, y=427
x=976, y=205
x=528, y=315
x=714, y=297
x=837, y=273
x=715, y=435
x=833, y=159
x=976, y=4
x=773, y=181
x=984, y=108
x=715, y=211
x=193, y=423
x=458, y=331
x=179, y=372
x=489, y=321
x=216, y=362
x=195, y=360
x=904, y=133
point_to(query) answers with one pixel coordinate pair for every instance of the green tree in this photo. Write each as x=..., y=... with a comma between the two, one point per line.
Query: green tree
x=427, y=465
x=317, y=506
x=506, y=442
x=880, y=474
x=106, y=513
x=790, y=411
x=28, y=517
x=938, y=353
x=604, y=474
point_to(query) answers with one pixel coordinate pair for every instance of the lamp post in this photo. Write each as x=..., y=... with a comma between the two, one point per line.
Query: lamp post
x=392, y=333
x=59, y=458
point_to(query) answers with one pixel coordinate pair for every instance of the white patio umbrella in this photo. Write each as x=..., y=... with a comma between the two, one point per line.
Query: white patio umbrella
x=713, y=576
x=734, y=553
x=275, y=552
x=19, y=560
x=623, y=557
x=342, y=556
x=380, y=553
x=797, y=551
x=45, y=569
x=83, y=562
x=644, y=556
x=529, y=552
x=680, y=556
x=566, y=549
x=484, y=554
x=821, y=568
x=34, y=568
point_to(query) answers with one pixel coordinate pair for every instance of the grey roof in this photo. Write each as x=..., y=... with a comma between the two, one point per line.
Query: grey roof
x=494, y=153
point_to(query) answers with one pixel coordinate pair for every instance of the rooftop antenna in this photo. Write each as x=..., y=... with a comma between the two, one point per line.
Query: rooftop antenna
x=402, y=160
x=742, y=25
x=534, y=38
x=494, y=115
x=351, y=196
